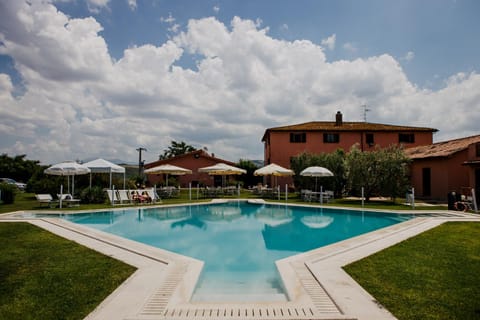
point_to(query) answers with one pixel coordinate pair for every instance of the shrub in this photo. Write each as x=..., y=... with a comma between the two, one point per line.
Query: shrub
x=93, y=195
x=8, y=192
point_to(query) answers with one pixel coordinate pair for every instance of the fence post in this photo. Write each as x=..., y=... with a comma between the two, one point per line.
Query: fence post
x=413, y=198
x=363, y=198
x=474, y=200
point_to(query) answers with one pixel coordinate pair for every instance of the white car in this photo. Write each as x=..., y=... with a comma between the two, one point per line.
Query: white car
x=20, y=185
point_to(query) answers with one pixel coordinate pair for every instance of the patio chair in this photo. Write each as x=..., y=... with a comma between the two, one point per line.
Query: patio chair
x=68, y=199
x=123, y=196
x=112, y=196
x=46, y=199
x=153, y=195
x=145, y=196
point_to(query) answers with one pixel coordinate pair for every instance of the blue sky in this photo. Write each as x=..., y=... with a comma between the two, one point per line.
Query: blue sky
x=216, y=74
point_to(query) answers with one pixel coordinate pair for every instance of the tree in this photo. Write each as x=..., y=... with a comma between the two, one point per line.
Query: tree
x=334, y=161
x=18, y=168
x=176, y=149
x=248, y=179
x=362, y=172
x=380, y=172
x=394, y=176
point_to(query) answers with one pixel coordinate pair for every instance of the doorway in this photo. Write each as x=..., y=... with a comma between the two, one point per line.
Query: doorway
x=427, y=182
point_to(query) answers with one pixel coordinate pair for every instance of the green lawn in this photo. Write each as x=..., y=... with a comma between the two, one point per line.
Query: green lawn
x=27, y=201
x=435, y=275
x=44, y=276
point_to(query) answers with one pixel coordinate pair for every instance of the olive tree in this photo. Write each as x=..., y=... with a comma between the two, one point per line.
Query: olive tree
x=334, y=161
x=380, y=172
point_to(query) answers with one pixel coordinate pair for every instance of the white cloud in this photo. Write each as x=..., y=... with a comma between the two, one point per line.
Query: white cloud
x=284, y=27
x=80, y=103
x=329, y=42
x=409, y=56
x=350, y=47
x=174, y=28
x=170, y=19
x=132, y=4
x=216, y=9
x=95, y=6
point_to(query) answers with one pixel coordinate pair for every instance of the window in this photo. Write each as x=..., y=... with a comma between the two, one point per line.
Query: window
x=331, y=138
x=406, y=138
x=369, y=139
x=298, y=137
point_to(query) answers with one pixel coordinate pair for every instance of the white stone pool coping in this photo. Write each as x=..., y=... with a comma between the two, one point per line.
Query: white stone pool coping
x=315, y=282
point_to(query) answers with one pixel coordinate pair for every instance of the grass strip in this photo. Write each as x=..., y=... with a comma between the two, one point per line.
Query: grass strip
x=27, y=202
x=44, y=276
x=435, y=275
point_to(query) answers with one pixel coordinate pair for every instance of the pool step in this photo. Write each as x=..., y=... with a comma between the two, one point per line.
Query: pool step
x=238, y=298
x=237, y=291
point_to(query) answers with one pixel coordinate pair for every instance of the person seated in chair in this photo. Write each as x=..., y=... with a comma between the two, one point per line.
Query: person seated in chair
x=136, y=196
x=146, y=197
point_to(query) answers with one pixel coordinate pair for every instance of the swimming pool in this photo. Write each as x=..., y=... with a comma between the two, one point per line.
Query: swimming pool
x=238, y=241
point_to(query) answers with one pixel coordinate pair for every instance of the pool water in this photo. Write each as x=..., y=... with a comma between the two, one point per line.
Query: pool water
x=239, y=242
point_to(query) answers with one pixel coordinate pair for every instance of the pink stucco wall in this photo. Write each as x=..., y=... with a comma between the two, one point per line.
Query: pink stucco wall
x=279, y=149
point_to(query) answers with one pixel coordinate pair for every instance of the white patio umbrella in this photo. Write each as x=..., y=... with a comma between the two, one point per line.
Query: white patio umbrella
x=273, y=170
x=67, y=168
x=222, y=169
x=168, y=169
x=103, y=166
x=316, y=172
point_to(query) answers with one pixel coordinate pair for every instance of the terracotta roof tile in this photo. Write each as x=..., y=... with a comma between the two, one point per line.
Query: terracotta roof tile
x=441, y=149
x=346, y=126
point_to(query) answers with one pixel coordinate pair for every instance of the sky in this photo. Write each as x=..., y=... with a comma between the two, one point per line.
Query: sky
x=86, y=79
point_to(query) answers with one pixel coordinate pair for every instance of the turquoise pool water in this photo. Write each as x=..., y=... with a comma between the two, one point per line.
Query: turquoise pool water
x=238, y=241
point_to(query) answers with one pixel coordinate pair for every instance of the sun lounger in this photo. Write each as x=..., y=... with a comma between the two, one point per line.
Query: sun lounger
x=123, y=196
x=46, y=199
x=68, y=199
x=112, y=196
x=153, y=195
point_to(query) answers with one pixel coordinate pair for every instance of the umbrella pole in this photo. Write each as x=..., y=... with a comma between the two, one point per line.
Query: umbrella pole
x=61, y=195
x=166, y=180
x=321, y=195
x=90, y=180
x=110, y=178
x=73, y=185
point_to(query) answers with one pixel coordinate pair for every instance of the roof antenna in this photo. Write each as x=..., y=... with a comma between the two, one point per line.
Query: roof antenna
x=365, y=110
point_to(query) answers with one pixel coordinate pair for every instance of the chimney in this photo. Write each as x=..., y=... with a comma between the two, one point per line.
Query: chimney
x=338, y=119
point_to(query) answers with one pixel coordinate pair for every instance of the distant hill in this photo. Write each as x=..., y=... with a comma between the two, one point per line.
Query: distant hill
x=116, y=161
x=258, y=163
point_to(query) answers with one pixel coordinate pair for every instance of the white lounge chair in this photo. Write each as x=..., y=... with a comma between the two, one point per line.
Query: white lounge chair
x=112, y=196
x=68, y=199
x=46, y=199
x=153, y=195
x=123, y=196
